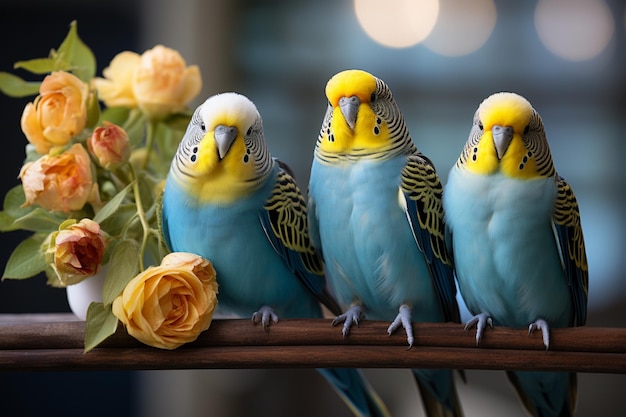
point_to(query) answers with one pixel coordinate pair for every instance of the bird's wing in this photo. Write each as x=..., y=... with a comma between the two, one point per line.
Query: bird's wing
x=284, y=220
x=422, y=191
x=569, y=235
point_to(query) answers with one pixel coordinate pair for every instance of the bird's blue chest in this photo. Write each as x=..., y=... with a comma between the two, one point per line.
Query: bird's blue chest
x=249, y=272
x=369, y=250
x=506, y=256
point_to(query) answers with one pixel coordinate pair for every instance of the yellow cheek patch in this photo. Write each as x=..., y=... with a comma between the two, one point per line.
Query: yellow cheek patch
x=482, y=159
x=369, y=133
x=338, y=138
x=224, y=181
x=517, y=163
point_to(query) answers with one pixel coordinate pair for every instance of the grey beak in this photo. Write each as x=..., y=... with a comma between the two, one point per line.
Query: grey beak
x=502, y=136
x=224, y=136
x=350, y=109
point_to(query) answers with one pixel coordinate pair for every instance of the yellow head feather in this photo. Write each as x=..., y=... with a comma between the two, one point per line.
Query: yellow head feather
x=225, y=178
x=508, y=110
x=505, y=109
x=370, y=133
x=350, y=83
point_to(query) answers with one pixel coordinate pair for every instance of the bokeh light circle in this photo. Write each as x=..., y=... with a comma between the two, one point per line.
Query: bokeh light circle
x=576, y=30
x=462, y=27
x=397, y=23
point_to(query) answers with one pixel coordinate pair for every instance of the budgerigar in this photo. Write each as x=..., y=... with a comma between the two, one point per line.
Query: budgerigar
x=517, y=240
x=376, y=214
x=229, y=201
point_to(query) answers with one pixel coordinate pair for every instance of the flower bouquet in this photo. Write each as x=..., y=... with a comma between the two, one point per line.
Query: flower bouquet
x=91, y=184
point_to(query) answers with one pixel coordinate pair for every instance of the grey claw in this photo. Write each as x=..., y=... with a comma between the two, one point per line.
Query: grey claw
x=542, y=325
x=403, y=319
x=350, y=317
x=265, y=316
x=481, y=321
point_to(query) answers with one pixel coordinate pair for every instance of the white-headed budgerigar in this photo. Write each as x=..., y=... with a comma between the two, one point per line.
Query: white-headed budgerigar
x=516, y=239
x=229, y=201
x=376, y=215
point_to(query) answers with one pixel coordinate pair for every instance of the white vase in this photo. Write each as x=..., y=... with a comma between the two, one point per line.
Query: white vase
x=80, y=295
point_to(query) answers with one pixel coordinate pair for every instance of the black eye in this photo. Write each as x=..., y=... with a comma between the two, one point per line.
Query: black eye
x=480, y=125
x=202, y=126
x=526, y=129
x=373, y=98
x=249, y=131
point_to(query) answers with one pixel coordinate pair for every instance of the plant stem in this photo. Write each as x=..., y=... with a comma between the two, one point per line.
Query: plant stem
x=151, y=127
x=142, y=218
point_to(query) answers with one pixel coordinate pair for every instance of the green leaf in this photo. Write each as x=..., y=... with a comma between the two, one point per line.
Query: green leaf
x=14, y=86
x=114, y=225
x=123, y=266
x=111, y=207
x=6, y=222
x=14, y=209
x=116, y=115
x=93, y=110
x=40, y=65
x=178, y=121
x=135, y=127
x=99, y=325
x=38, y=220
x=74, y=52
x=14, y=200
x=27, y=260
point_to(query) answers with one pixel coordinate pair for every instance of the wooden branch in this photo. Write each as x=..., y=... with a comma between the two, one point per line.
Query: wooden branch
x=313, y=343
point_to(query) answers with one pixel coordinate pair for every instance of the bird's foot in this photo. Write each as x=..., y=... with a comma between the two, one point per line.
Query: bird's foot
x=542, y=325
x=403, y=319
x=481, y=321
x=265, y=316
x=352, y=316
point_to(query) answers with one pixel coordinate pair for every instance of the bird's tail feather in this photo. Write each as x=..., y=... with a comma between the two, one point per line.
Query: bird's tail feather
x=356, y=392
x=546, y=394
x=438, y=392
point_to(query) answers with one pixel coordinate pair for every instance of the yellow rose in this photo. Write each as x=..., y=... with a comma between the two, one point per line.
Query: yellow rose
x=60, y=182
x=78, y=249
x=163, y=84
x=116, y=88
x=110, y=146
x=169, y=305
x=58, y=113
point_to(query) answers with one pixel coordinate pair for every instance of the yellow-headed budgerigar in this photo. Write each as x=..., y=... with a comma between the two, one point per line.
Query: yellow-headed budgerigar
x=376, y=215
x=516, y=239
x=229, y=201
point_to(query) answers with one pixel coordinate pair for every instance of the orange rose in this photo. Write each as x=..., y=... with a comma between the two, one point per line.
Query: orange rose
x=78, y=249
x=60, y=182
x=116, y=88
x=58, y=113
x=169, y=305
x=109, y=145
x=163, y=84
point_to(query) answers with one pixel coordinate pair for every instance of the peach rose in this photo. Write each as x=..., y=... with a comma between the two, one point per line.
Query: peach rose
x=110, y=146
x=116, y=88
x=78, y=249
x=60, y=182
x=163, y=84
x=58, y=113
x=169, y=305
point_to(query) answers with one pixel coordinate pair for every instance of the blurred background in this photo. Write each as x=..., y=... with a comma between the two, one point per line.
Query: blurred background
x=441, y=58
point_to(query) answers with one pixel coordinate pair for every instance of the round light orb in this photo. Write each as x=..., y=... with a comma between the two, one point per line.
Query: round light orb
x=462, y=27
x=575, y=30
x=397, y=23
